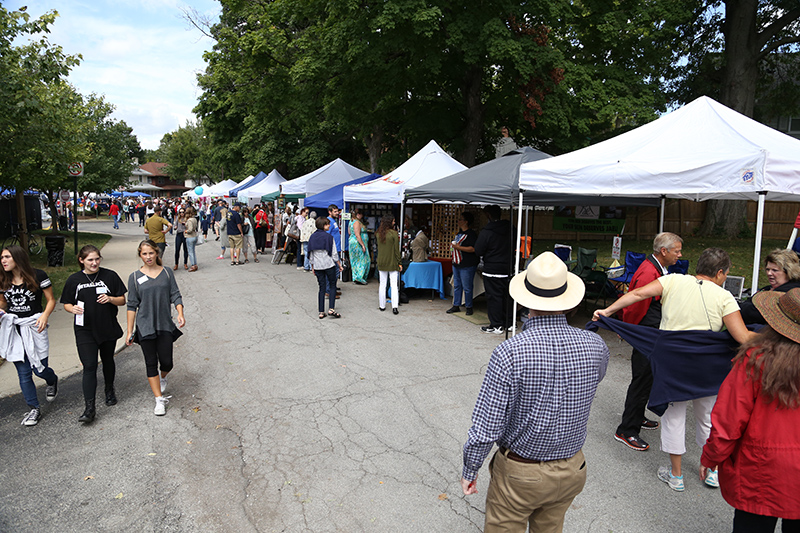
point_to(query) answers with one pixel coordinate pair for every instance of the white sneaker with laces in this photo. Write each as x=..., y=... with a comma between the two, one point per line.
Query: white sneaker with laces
x=163, y=385
x=674, y=482
x=32, y=418
x=161, y=405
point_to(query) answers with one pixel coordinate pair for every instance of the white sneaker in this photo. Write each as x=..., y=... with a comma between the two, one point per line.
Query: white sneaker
x=712, y=479
x=161, y=405
x=163, y=385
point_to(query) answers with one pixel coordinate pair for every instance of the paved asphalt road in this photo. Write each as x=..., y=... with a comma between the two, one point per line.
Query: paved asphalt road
x=280, y=421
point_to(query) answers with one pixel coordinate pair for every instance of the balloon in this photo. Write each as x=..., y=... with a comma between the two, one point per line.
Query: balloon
x=198, y=191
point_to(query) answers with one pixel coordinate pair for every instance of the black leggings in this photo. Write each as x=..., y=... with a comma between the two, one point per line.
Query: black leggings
x=87, y=352
x=180, y=244
x=157, y=352
x=744, y=522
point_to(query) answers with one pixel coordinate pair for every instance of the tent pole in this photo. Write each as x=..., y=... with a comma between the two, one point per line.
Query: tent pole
x=661, y=215
x=516, y=262
x=343, y=229
x=762, y=196
x=402, y=213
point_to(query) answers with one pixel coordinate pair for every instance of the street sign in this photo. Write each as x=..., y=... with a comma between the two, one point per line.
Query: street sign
x=616, y=248
x=75, y=170
x=64, y=195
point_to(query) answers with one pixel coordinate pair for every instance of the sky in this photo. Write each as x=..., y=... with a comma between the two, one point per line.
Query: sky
x=142, y=55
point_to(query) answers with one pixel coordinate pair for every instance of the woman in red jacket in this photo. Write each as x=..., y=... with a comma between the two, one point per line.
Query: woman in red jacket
x=755, y=424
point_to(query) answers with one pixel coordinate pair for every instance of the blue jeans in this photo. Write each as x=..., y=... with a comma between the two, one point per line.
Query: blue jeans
x=306, y=263
x=462, y=281
x=327, y=283
x=116, y=221
x=191, y=243
x=24, y=371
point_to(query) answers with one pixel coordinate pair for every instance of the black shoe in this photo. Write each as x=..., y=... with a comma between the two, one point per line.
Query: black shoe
x=111, y=398
x=88, y=413
x=382, y=308
x=633, y=442
x=454, y=309
x=498, y=330
x=649, y=424
x=52, y=391
x=469, y=311
x=395, y=311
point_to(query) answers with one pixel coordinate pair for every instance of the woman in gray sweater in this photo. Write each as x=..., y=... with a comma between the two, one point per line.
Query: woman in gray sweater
x=152, y=290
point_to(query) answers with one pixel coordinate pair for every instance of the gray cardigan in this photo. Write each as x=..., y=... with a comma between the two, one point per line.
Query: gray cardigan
x=153, y=299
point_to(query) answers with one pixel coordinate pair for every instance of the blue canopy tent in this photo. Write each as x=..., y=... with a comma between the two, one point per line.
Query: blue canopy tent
x=258, y=178
x=335, y=194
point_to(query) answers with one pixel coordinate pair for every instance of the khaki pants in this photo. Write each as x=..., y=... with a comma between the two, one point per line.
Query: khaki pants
x=535, y=494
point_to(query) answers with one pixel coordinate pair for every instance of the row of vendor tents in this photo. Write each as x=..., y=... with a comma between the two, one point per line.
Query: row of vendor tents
x=699, y=152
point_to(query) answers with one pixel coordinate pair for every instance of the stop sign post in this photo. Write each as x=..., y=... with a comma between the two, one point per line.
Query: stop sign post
x=76, y=171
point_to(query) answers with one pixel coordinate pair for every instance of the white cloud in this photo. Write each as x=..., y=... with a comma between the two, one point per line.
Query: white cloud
x=140, y=54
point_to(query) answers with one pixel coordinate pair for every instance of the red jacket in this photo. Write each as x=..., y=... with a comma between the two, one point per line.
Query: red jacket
x=113, y=210
x=646, y=273
x=757, y=446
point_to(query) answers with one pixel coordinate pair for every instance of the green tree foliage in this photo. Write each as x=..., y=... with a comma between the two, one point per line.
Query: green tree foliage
x=293, y=83
x=187, y=153
x=36, y=106
x=745, y=53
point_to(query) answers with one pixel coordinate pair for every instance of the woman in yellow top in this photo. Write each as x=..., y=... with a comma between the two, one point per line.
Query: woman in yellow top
x=690, y=303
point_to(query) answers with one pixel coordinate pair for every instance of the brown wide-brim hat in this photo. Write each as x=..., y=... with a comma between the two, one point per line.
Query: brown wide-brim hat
x=781, y=310
x=546, y=285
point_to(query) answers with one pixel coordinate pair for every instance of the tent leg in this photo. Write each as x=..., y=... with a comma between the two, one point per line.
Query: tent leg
x=402, y=214
x=759, y=233
x=661, y=215
x=792, y=239
x=516, y=262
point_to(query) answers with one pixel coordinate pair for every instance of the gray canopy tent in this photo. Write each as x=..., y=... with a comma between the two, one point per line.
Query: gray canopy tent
x=497, y=182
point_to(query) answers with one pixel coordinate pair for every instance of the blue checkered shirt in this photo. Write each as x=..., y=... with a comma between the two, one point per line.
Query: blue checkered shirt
x=537, y=393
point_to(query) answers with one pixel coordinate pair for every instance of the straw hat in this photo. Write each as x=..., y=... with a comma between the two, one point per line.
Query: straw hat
x=546, y=285
x=781, y=310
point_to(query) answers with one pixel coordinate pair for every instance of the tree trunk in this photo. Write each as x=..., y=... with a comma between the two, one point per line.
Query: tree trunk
x=21, y=218
x=54, y=217
x=740, y=74
x=374, y=144
x=728, y=218
x=471, y=89
x=725, y=218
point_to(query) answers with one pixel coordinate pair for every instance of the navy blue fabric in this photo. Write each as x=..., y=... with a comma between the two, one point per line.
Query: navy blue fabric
x=686, y=364
x=321, y=240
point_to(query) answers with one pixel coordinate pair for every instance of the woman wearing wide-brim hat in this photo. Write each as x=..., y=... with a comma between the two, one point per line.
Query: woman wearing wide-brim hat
x=755, y=424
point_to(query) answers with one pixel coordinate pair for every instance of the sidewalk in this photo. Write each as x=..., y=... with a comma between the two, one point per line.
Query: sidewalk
x=119, y=254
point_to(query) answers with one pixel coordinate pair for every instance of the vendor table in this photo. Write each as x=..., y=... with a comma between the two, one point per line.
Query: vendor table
x=447, y=265
x=425, y=275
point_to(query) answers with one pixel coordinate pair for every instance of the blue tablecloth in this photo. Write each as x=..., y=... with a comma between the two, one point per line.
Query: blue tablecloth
x=427, y=275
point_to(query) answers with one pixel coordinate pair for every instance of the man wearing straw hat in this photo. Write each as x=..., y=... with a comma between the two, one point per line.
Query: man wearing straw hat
x=534, y=403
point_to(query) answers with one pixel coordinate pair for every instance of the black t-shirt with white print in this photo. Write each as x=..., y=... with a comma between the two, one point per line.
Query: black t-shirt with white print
x=22, y=301
x=99, y=320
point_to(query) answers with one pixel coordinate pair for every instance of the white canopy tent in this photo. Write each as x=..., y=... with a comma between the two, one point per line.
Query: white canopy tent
x=271, y=183
x=429, y=164
x=330, y=175
x=701, y=151
x=220, y=189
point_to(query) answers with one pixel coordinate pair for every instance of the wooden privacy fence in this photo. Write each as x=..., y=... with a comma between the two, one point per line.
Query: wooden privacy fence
x=681, y=216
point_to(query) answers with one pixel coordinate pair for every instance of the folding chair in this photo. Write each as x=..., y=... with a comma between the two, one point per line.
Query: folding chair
x=585, y=262
x=681, y=267
x=563, y=251
x=632, y=262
